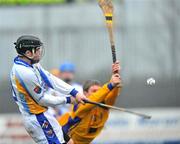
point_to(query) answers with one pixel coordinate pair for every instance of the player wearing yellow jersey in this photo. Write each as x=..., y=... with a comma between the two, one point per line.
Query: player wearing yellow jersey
x=85, y=122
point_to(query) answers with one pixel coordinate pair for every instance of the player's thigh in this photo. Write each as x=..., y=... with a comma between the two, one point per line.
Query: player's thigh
x=55, y=125
x=34, y=130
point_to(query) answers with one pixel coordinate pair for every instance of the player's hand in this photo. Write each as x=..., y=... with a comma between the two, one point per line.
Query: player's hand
x=80, y=98
x=116, y=80
x=116, y=67
x=73, y=100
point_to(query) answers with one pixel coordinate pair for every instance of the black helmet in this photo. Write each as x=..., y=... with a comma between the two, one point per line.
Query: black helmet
x=27, y=42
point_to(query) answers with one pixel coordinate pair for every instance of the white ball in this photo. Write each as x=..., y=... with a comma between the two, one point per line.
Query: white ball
x=151, y=81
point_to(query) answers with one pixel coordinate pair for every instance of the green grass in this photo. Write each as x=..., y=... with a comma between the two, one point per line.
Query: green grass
x=29, y=2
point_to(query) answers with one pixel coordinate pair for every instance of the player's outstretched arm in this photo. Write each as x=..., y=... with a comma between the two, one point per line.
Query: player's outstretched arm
x=52, y=101
x=98, y=96
x=112, y=96
x=64, y=88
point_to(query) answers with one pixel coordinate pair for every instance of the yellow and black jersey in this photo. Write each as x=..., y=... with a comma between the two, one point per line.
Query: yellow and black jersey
x=85, y=122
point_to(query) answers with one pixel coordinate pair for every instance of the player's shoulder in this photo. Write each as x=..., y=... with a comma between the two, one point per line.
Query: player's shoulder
x=23, y=71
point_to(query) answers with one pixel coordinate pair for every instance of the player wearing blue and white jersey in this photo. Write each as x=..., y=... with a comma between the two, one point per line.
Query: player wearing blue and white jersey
x=35, y=89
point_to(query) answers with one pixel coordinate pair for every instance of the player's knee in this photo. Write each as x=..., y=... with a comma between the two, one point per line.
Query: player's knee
x=70, y=141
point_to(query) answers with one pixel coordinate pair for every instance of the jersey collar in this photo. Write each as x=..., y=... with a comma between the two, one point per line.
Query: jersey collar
x=19, y=61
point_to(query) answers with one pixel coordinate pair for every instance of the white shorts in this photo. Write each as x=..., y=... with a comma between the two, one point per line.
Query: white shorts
x=44, y=128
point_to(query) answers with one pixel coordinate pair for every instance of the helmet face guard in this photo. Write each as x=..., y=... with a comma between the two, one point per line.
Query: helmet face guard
x=31, y=43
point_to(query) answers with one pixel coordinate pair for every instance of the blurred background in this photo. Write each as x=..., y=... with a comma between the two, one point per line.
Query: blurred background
x=147, y=41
